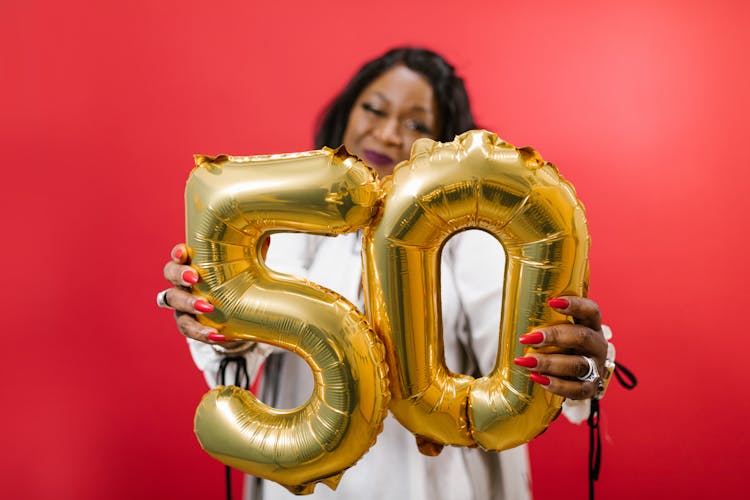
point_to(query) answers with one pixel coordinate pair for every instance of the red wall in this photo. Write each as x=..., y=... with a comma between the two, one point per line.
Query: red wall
x=641, y=104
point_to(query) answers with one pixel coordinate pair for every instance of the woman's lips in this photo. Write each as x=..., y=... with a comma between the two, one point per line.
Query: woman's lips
x=377, y=159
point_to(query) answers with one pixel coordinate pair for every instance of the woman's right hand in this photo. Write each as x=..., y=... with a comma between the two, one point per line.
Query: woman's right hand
x=186, y=305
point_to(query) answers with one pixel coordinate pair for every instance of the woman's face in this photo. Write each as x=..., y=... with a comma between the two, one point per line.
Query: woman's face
x=392, y=112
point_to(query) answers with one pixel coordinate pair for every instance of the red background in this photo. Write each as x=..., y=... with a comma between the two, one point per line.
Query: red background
x=641, y=104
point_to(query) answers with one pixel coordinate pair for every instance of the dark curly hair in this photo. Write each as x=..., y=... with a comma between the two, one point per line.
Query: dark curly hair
x=452, y=100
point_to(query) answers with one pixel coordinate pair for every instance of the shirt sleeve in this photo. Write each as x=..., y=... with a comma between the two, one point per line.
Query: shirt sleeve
x=208, y=360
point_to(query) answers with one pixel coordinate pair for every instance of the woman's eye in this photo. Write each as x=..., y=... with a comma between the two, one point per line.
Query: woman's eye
x=417, y=126
x=372, y=109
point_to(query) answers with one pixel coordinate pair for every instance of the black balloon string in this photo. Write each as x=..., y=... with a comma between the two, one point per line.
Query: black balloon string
x=627, y=379
x=241, y=379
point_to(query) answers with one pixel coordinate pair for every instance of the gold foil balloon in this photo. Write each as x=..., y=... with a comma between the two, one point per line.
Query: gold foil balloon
x=476, y=182
x=233, y=203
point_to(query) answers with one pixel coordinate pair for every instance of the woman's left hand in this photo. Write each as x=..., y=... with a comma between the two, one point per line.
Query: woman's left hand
x=560, y=373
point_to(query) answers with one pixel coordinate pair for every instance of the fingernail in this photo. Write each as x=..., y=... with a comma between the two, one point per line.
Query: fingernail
x=532, y=338
x=203, y=306
x=217, y=337
x=190, y=276
x=539, y=379
x=558, y=303
x=526, y=361
x=177, y=253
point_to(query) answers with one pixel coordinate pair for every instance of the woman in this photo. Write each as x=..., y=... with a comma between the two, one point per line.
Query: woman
x=393, y=100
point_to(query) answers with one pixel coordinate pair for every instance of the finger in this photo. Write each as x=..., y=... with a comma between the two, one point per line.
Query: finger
x=571, y=389
x=190, y=327
x=180, y=275
x=179, y=253
x=585, y=311
x=555, y=365
x=574, y=338
x=184, y=301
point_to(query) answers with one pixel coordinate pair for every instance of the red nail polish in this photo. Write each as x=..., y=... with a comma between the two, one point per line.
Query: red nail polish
x=539, y=379
x=526, y=361
x=558, y=303
x=532, y=338
x=177, y=254
x=217, y=337
x=190, y=276
x=203, y=306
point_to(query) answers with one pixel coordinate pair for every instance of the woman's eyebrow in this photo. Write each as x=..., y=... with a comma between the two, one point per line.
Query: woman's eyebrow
x=416, y=107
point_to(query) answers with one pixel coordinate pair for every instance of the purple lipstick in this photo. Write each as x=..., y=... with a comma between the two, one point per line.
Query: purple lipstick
x=377, y=159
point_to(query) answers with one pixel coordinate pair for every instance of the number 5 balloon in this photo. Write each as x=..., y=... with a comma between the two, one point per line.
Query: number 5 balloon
x=232, y=204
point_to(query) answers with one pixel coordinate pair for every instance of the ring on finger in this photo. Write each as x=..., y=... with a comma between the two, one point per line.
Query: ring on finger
x=161, y=300
x=593, y=372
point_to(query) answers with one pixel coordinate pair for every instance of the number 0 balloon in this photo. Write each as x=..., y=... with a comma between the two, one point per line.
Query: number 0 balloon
x=476, y=182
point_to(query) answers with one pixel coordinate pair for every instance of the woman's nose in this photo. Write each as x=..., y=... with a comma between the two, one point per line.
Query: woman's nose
x=388, y=131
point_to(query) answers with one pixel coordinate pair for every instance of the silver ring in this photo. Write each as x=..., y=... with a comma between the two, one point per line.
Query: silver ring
x=593, y=372
x=161, y=300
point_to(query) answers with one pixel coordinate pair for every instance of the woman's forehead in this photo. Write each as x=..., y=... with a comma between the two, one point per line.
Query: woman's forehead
x=404, y=87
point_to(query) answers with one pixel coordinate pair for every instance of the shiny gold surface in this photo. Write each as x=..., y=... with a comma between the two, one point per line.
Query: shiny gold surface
x=477, y=181
x=232, y=204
